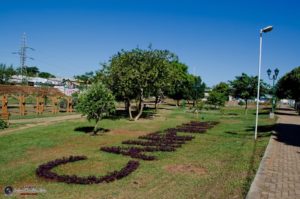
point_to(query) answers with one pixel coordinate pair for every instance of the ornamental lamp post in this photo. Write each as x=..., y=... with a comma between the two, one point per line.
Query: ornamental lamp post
x=264, y=30
x=273, y=78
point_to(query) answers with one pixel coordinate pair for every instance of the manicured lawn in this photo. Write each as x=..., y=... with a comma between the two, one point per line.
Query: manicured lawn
x=218, y=164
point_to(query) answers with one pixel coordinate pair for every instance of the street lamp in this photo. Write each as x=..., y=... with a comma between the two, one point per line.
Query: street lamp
x=273, y=78
x=264, y=30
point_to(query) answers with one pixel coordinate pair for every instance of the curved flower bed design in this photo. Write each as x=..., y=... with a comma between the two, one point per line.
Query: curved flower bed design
x=166, y=141
x=44, y=171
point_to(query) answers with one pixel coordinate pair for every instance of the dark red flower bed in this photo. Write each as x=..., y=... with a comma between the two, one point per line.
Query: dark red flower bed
x=160, y=141
x=166, y=141
x=132, y=152
x=172, y=143
x=44, y=171
x=194, y=127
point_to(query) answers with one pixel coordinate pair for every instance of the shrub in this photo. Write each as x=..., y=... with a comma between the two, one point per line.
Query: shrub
x=3, y=124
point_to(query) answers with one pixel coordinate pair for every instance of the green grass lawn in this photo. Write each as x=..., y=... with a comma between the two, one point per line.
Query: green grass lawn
x=226, y=155
x=44, y=115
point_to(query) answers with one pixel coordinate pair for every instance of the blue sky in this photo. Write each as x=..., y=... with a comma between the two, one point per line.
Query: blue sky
x=218, y=40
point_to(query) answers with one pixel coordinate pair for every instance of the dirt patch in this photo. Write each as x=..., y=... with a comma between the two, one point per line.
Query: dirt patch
x=126, y=132
x=141, y=182
x=186, y=169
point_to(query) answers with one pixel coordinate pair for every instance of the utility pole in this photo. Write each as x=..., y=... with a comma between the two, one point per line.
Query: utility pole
x=23, y=56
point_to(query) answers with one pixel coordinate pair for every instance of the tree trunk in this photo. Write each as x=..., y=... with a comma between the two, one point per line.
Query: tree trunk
x=194, y=103
x=96, y=128
x=156, y=101
x=178, y=103
x=141, y=106
x=126, y=105
x=129, y=109
x=140, y=112
x=246, y=107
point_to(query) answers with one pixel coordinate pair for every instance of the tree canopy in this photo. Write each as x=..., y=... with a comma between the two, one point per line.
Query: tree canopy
x=219, y=94
x=96, y=102
x=137, y=74
x=245, y=87
x=6, y=72
x=46, y=75
x=30, y=71
x=288, y=86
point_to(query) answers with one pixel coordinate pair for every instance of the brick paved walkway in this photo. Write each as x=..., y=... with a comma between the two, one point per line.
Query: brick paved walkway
x=278, y=175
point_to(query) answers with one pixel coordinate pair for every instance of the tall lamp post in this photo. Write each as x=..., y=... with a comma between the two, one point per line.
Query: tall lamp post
x=264, y=30
x=273, y=78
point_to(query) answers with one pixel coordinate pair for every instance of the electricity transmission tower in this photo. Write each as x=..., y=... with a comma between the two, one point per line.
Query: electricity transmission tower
x=23, y=56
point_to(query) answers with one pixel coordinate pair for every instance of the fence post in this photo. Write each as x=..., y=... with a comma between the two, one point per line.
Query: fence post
x=5, y=113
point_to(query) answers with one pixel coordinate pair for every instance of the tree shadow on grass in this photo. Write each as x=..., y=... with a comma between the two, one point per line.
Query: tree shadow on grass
x=232, y=114
x=262, y=131
x=90, y=130
x=262, y=113
x=148, y=113
x=119, y=114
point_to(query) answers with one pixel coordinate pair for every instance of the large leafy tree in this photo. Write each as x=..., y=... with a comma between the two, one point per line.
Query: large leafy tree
x=216, y=98
x=160, y=73
x=180, y=82
x=30, y=71
x=46, y=75
x=137, y=73
x=223, y=88
x=245, y=87
x=5, y=73
x=288, y=86
x=219, y=94
x=195, y=88
x=96, y=102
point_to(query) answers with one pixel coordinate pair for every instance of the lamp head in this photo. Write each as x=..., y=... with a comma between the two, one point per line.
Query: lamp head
x=269, y=72
x=267, y=29
x=276, y=72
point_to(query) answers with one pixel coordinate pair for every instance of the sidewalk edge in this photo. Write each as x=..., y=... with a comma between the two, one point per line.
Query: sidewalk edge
x=254, y=190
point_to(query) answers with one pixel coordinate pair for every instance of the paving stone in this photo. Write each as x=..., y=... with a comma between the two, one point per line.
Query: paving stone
x=279, y=171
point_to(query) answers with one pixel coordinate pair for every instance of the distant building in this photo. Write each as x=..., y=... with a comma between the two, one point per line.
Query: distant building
x=68, y=86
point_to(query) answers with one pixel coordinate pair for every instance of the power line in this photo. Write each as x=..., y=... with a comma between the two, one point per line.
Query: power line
x=23, y=55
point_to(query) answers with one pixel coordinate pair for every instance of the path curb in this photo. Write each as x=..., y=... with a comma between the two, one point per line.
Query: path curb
x=255, y=190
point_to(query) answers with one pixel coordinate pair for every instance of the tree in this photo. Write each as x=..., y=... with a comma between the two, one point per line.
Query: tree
x=160, y=72
x=137, y=73
x=32, y=71
x=96, y=102
x=46, y=75
x=219, y=95
x=223, y=88
x=216, y=98
x=86, y=78
x=180, y=81
x=195, y=88
x=245, y=87
x=6, y=72
x=288, y=86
